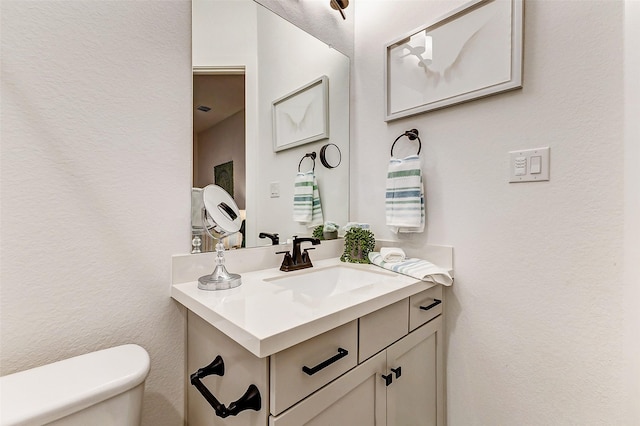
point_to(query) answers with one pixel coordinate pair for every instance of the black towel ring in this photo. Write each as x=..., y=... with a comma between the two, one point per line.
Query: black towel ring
x=311, y=155
x=412, y=135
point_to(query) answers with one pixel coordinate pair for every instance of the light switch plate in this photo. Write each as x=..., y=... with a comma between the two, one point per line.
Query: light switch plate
x=274, y=188
x=520, y=165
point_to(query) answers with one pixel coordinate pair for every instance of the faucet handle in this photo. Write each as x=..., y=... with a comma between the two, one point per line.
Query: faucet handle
x=287, y=262
x=305, y=257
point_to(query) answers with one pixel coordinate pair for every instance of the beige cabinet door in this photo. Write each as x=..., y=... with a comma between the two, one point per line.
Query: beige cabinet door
x=356, y=398
x=415, y=397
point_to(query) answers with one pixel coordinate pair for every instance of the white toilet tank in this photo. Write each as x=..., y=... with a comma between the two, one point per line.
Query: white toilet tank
x=98, y=389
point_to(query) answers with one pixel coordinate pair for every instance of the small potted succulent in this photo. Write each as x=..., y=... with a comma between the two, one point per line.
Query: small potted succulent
x=318, y=232
x=330, y=231
x=358, y=243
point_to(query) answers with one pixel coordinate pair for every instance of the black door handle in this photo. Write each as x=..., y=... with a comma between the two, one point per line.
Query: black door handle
x=397, y=371
x=313, y=370
x=388, y=379
x=435, y=303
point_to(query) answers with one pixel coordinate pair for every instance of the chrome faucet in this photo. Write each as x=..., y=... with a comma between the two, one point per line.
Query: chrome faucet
x=298, y=259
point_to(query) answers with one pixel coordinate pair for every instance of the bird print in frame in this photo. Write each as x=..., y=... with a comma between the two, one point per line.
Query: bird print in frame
x=472, y=52
x=302, y=116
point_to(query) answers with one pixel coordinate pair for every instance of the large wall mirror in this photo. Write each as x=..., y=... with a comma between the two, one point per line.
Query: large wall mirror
x=249, y=65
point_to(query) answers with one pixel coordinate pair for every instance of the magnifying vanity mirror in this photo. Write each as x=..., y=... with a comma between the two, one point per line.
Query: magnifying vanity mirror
x=255, y=59
x=220, y=219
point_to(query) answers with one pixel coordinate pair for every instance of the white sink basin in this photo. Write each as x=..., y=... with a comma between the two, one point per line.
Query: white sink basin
x=322, y=283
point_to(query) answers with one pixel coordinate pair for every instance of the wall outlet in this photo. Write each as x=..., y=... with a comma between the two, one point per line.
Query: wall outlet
x=529, y=165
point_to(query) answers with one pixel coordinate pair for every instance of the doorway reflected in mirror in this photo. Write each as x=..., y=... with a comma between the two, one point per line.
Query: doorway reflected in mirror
x=218, y=141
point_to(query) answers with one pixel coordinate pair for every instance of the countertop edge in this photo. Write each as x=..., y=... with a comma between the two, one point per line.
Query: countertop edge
x=322, y=325
x=263, y=348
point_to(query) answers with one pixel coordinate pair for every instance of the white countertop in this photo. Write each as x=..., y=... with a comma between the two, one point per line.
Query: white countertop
x=266, y=318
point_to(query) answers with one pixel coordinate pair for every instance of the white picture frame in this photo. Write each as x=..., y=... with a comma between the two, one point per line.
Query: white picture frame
x=472, y=52
x=301, y=116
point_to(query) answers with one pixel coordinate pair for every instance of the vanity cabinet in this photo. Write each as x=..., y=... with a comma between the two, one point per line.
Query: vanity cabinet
x=384, y=368
x=400, y=386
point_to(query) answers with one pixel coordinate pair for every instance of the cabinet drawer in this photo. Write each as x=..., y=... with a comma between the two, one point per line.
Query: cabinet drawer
x=302, y=369
x=381, y=328
x=356, y=398
x=424, y=306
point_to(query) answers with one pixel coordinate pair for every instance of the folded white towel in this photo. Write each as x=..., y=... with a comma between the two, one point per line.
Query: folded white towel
x=350, y=225
x=404, y=205
x=416, y=268
x=307, y=208
x=392, y=254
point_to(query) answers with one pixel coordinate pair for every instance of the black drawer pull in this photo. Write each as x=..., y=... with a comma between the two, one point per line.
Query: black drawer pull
x=435, y=303
x=251, y=399
x=313, y=370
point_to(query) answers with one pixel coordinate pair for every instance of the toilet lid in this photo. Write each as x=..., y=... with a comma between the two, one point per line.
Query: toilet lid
x=45, y=394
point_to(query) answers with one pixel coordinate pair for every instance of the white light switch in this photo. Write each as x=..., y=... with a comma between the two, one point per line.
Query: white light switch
x=529, y=165
x=275, y=189
x=536, y=164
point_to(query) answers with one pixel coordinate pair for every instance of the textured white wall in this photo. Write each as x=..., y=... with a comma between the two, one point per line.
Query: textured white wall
x=96, y=153
x=632, y=207
x=534, y=321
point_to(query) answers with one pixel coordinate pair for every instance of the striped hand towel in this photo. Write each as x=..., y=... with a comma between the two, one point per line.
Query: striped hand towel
x=306, y=200
x=404, y=203
x=316, y=217
x=416, y=268
x=303, y=198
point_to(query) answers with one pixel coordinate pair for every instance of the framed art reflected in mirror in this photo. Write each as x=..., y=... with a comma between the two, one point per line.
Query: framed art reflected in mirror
x=302, y=116
x=223, y=176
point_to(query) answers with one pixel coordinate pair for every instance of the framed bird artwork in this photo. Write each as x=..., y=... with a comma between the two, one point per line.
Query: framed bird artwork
x=301, y=116
x=472, y=52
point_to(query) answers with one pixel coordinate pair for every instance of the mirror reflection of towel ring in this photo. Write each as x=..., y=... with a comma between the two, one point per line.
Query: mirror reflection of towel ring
x=412, y=135
x=311, y=155
x=330, y=156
